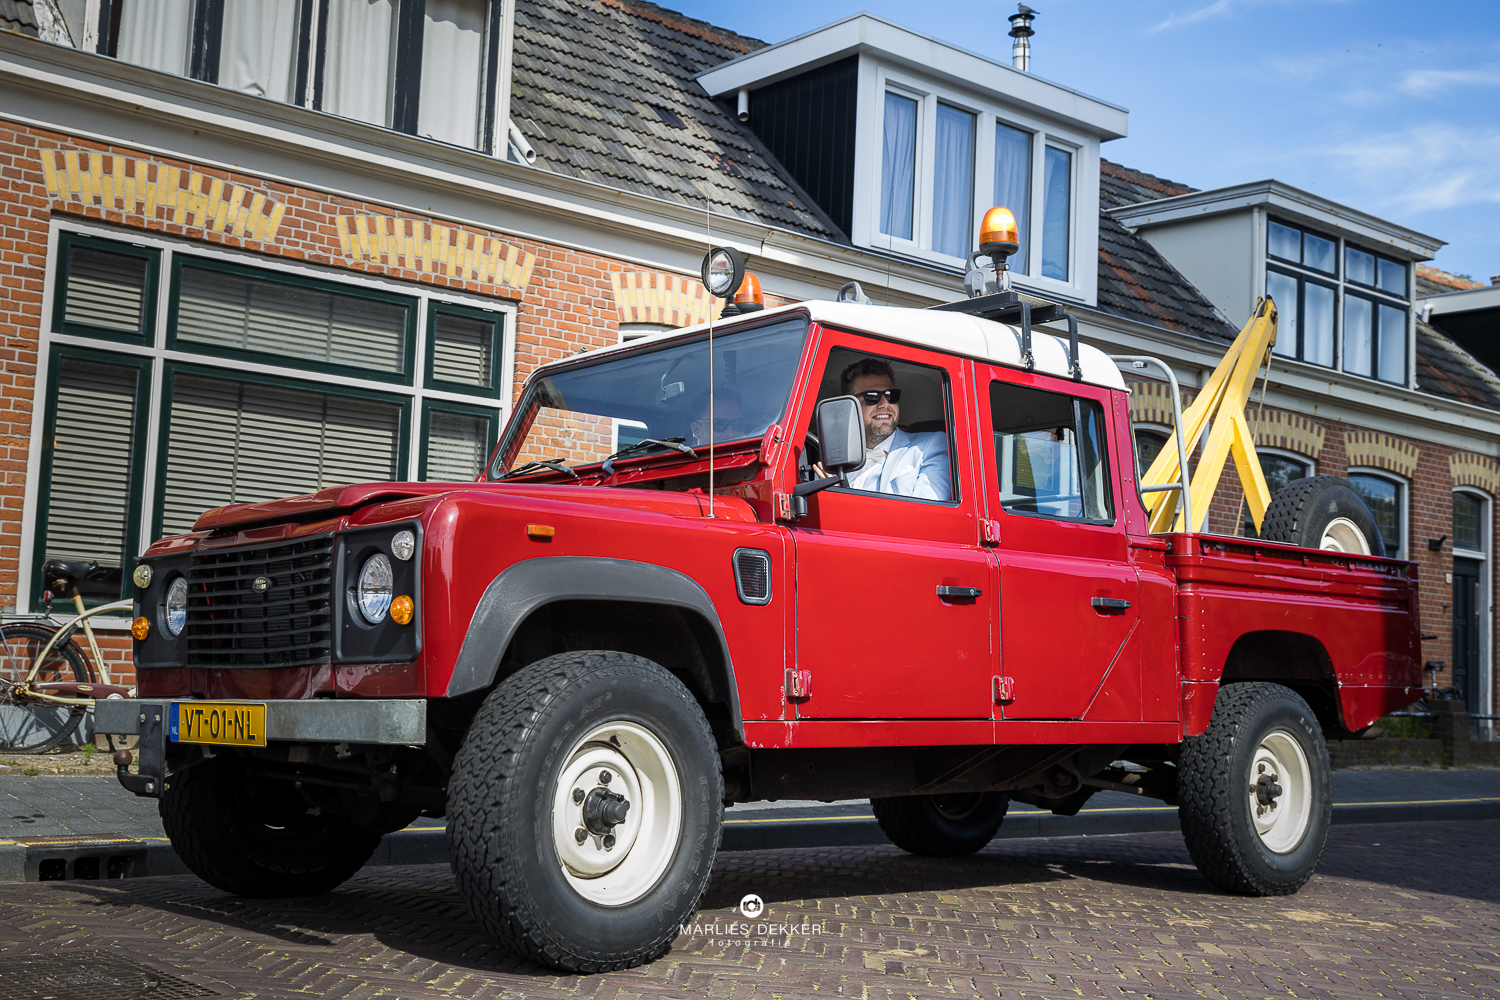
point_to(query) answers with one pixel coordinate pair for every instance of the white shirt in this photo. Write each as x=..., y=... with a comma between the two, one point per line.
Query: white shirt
x=867, y=476
x=908, y=465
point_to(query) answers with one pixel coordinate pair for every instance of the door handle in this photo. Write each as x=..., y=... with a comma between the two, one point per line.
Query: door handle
x=959, y=592
x=1109, y=603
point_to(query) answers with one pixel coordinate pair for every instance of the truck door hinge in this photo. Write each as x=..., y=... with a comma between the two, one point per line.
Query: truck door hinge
x=1004, y=690
x=789, y=506
x=798, y=685
x=989, y=531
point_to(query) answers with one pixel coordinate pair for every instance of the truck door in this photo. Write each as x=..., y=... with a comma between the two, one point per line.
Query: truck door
x=1068, y=595
x=894, y=592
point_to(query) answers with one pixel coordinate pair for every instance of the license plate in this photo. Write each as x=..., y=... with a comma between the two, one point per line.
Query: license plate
x=236, y=724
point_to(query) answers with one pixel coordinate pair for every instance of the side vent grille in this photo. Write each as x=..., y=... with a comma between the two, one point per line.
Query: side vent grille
x=752, y=575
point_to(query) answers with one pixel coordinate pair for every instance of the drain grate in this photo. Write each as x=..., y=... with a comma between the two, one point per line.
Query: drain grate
x=89, y=975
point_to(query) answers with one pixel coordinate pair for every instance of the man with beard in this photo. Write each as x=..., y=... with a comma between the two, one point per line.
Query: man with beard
x=909, y=465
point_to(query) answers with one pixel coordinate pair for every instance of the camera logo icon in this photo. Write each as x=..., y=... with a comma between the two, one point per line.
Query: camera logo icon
x=752, y=905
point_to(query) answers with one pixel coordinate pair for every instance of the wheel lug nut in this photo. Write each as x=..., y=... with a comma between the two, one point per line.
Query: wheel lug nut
x=609, y=841
x=604, y=777
x=580, y=835
x=1260, y=769
x=578, y=795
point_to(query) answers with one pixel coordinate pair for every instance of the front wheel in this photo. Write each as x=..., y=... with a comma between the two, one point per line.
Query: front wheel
x=941, y=826
x=585, y=811
x=1255, y=792
x=26, y=725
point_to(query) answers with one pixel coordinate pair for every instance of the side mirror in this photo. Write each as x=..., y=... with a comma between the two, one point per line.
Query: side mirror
x=841, y=433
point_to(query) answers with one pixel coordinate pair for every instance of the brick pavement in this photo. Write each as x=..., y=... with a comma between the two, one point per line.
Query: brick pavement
x=1409, y=911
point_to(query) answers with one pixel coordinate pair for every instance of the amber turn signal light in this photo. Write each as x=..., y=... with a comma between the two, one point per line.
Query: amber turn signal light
x=402, y=609
x=997, y=233
x=140, y=628
x=541, y=532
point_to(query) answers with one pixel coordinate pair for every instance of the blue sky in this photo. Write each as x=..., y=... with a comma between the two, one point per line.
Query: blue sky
x=1391, y=108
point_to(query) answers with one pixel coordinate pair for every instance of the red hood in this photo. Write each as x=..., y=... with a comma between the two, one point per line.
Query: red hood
x=343, y=499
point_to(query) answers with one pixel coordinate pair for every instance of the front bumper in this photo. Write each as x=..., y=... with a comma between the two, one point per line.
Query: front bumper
x=399, y=722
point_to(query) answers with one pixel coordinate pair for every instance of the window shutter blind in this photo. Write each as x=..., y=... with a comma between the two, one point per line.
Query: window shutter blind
x=461, y=347
x=271, y=317
x=234, y=442
x=105, y=290
x=457, y=445
x=88, y=498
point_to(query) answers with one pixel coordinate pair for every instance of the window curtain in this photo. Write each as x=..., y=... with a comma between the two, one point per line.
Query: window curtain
x=1013, y=184
x=235, y=442
x=1357, y=347
x=157, y=34
x=456, y=446
x=898, y=166
x=1056, y=212
x=359, y=68
x=953, y=194
x=1317, y=324
x=1392, y=350
x=258, y=54
x=452, y=96
x=1283, y=291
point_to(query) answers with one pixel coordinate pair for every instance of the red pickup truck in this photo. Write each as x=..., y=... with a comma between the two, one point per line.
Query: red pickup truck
x=823, y=551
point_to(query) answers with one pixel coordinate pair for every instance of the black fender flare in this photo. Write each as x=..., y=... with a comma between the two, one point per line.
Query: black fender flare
x=526, y=586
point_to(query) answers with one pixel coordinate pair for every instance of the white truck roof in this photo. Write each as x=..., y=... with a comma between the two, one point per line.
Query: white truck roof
x=951, y=332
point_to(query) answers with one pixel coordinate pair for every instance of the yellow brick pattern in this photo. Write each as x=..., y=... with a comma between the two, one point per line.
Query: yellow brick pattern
x=1275, y=429
x=659, y=297
x=1469, y=469
x=434, y=249
x=144, y=187
x=1382, y=452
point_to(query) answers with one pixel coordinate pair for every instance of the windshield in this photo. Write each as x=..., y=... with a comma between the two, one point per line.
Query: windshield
x=585, y=415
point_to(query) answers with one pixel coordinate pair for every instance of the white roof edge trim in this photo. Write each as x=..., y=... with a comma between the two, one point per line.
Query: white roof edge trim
x=948, y=332
x=1462, y=300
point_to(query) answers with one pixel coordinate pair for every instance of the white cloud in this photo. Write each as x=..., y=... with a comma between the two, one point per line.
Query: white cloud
x=1194, y=16
x=1424, y=82
x=1429, y=168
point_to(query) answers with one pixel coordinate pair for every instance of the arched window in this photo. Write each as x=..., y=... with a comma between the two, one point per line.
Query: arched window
x=1386, y=497
x=1280, y=468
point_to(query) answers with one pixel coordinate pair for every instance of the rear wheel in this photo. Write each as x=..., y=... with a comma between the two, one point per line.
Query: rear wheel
x=28, y=726
x=1322, y=512
x=1254, y=792
x=942, y=826
x=585, y=811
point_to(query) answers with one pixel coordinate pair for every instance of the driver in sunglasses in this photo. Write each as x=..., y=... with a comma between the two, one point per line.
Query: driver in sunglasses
x=728, y=415
x=909, y=465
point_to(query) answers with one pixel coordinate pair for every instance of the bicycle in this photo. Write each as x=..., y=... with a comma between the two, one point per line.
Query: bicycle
x=48, y=683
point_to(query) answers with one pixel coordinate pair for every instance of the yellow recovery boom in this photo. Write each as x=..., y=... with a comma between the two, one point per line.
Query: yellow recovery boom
x=1223, y=398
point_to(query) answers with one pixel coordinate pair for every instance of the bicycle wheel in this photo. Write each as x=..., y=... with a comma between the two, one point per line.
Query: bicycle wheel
x=29, y=726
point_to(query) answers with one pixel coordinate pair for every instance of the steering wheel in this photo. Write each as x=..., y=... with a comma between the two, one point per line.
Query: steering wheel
x=812, y=453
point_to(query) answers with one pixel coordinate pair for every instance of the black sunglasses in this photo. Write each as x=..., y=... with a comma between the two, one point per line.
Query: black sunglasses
x=872, y=396
x=721, y=424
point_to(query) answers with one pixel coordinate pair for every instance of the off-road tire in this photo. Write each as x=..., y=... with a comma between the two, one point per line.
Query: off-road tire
x=941, y=826
x=1302, y=509
x=257, y=837
x=501, y=801
x=1214, y=797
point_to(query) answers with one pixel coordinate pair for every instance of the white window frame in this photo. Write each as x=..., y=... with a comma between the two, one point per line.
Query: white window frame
x=1486, y=616
x=928, y=95
x=1403, y=509
x=156, y=351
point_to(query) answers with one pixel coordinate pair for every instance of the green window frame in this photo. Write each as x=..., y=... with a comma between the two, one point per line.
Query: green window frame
x=496, y=346
x=492, y=437
x=271, y=276
x=164, y=436
x=67, y=242
x=137, y=463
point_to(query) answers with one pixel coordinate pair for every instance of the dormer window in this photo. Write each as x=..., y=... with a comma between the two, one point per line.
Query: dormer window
x=424, y=67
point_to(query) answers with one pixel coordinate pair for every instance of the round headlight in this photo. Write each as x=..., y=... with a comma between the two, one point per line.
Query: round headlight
x=375, y=588
x=403, y=544
x=722, y=271
x=177, y=600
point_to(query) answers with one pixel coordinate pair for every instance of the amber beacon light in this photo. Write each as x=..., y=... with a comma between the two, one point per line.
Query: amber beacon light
x=748, y=299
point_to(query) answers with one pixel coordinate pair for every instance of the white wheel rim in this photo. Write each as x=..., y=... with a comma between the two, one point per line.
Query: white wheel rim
x=1343, y=535
x=1281, y=818
x=640, y=770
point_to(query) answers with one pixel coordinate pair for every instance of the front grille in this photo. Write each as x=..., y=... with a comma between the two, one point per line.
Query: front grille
x=286, y=624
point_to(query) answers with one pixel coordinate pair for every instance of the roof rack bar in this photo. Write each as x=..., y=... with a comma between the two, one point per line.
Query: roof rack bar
x=1181, y=487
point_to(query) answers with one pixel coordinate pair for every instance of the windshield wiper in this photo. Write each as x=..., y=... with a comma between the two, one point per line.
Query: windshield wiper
x=675, y=443
x=556, y=465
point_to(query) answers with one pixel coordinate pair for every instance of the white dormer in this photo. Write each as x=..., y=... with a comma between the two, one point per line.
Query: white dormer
x=904, y=141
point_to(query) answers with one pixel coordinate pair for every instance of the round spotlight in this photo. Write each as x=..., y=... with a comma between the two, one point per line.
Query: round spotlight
x=375, y=588
x=142, y=576
x=403, y=545
x=723, y=270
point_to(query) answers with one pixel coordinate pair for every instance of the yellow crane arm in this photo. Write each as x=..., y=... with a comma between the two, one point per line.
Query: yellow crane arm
x=1222, y=399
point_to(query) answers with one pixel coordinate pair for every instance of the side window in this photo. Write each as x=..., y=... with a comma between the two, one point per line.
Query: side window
x=1050, y=453
x=907, y=430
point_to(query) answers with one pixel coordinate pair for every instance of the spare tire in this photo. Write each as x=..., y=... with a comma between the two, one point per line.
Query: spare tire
x=1322, y=512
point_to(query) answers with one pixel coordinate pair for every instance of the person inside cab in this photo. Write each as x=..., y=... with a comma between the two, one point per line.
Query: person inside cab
x=896, y=461
x=725, y=422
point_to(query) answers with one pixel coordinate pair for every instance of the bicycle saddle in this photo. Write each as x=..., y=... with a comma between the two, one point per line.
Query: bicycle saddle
x=72, y=569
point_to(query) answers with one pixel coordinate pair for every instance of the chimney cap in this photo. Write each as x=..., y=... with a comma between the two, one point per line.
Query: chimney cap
x=1020, y=22
x=1495, y=280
